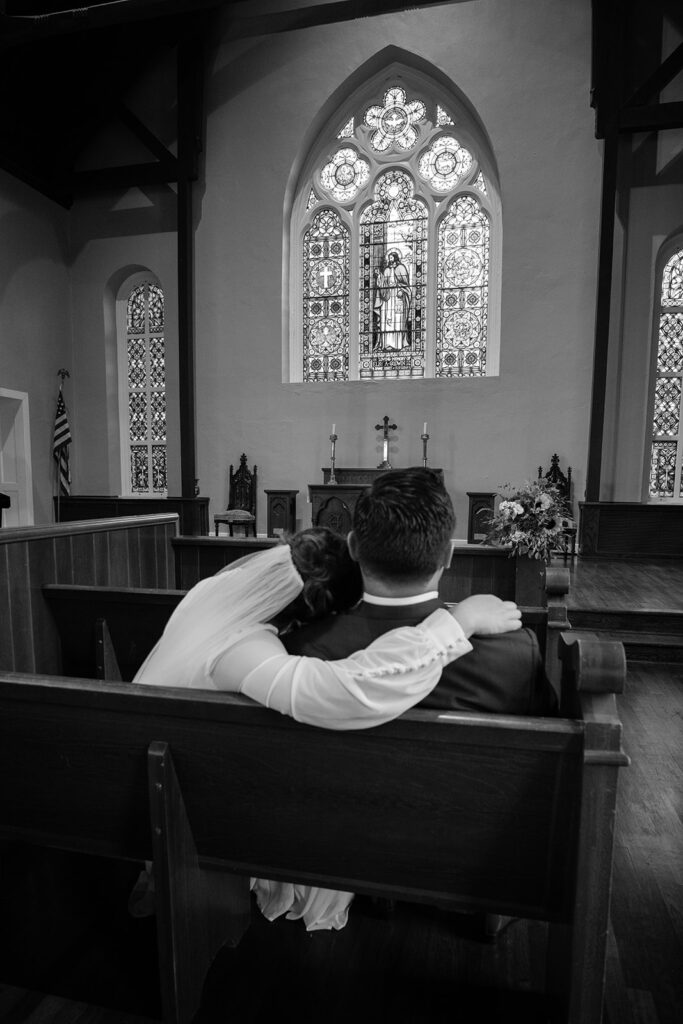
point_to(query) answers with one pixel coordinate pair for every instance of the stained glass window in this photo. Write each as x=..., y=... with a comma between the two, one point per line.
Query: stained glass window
x=146, y=386
x=393, y=272
x=395, y=122
x=344, y=175
x=326, y=298
x=444, y=163
x=667, y=428
x=462, y=290
x=392, y=252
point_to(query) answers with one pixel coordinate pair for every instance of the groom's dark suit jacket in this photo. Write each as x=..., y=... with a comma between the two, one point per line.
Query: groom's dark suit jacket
x=502, y=674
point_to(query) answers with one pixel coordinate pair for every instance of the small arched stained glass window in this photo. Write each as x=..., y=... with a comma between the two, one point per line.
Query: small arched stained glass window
x=326, y=298
x=146, y=382
x=666, y=481
x=462, y=290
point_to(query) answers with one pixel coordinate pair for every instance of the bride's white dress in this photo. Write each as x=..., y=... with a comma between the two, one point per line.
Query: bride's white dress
x=216, y=640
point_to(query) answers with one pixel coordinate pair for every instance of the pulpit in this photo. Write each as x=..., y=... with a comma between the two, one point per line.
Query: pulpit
x=332, y=505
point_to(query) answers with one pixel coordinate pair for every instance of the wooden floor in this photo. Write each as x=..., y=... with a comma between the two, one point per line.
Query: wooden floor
x=420, y=966
x=636, y=584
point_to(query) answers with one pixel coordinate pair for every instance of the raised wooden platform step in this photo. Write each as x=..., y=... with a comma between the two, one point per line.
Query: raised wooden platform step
x=655, y=636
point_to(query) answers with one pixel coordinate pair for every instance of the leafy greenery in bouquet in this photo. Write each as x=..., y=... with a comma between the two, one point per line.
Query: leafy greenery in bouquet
x=528, y=520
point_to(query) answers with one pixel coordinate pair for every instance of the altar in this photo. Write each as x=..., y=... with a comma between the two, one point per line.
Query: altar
x=332, y=504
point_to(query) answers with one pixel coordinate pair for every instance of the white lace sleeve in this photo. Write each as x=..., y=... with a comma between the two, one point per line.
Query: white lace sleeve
x=371, y=686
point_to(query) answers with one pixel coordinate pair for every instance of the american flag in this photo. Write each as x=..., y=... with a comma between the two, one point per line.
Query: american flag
x=60, y=446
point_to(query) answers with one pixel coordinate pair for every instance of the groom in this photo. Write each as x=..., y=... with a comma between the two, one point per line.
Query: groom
x=401, y=539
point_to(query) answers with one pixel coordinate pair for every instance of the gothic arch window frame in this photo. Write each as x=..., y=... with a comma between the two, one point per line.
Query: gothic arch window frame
x=123, y=294
x=329, y=140
x=667, y=251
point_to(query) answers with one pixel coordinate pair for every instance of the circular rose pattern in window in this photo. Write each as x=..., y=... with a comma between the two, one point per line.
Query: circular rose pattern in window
x=463, y=268
x=344, y=175
x=325, y=336
x=444, y=163
x=461, y=329
x=325, y=277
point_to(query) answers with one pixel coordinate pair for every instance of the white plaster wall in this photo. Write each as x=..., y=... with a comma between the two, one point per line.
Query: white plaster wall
x=525, y=68
x=35, y=309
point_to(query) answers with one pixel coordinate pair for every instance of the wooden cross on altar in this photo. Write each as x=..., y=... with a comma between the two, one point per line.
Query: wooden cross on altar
x=385, y=464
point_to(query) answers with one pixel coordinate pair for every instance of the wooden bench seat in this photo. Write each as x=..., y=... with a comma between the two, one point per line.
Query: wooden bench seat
x=472, y=811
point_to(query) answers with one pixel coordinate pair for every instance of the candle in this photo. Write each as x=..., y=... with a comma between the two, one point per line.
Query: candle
x=424, y=428
x=334, y=428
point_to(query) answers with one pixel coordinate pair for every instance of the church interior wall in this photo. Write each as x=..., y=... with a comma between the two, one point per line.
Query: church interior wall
x=484, y=431
x=35, y=319
x=107, y=247
x=655, y=214
x=525, y=68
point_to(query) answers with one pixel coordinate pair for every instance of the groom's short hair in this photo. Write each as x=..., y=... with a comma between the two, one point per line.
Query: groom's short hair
x=403, y=524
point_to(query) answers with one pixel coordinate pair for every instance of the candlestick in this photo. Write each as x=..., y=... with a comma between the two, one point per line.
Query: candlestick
x=333, y=454
x=425, y=438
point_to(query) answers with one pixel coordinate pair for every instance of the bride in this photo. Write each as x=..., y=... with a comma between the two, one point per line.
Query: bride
x=224, y=636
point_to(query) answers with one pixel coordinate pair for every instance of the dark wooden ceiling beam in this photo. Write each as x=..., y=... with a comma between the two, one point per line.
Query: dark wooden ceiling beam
x=127, y=176
x=651, y=119
x=142, y=133
x=658, y=80
x=21, y=29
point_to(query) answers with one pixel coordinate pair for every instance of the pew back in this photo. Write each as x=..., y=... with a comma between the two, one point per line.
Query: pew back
x=135, y=619
x=492, y=800
x=472, y=811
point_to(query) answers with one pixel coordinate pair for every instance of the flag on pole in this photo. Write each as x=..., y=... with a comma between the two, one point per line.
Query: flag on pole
x=60, y=447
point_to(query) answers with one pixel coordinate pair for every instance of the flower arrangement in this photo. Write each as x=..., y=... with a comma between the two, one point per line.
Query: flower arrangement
x=528, y=520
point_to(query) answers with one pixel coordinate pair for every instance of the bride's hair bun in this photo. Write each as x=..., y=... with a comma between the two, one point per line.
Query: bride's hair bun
x=332, y=580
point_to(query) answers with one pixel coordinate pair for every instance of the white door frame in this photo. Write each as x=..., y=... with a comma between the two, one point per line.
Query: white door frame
x=16, y=473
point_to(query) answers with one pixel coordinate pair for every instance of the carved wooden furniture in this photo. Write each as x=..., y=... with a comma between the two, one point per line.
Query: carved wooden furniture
x=241, y=510
x=483, y=812
x=281, y=512
x=481, y=502
x=563, y=483
x=332, y=505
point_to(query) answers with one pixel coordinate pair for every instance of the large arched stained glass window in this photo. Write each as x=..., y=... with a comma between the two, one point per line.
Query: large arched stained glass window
x=146, y=385
x=396, y=241
x=666, y=456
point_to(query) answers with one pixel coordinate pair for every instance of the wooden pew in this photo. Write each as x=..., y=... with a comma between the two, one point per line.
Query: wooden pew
x=485, y=812
x=474, y=568
x=106, y=632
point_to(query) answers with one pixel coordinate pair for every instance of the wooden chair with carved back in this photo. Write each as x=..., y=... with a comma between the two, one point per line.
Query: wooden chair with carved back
x=563, y=483
x=241, y=510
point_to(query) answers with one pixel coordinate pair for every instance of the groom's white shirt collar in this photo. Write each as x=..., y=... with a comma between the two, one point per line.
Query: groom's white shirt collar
x=431, y=595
